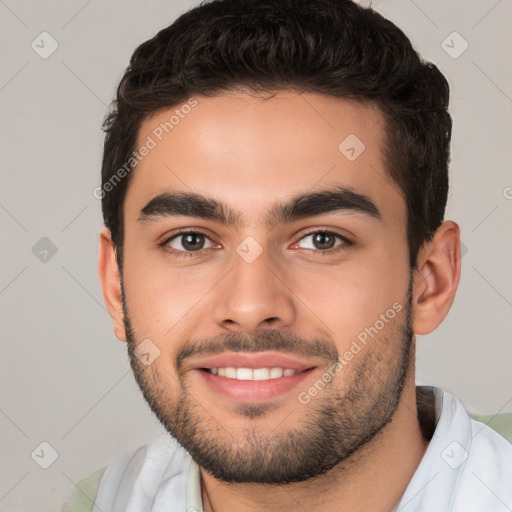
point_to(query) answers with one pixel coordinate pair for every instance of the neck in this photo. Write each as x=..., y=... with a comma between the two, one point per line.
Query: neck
x=373, y=478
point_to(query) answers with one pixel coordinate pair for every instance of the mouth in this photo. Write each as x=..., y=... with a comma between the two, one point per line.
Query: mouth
x=252, y=377
x=252, y=374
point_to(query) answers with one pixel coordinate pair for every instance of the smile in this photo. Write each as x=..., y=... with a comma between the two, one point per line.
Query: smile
x=252, y=385
x=252, y=373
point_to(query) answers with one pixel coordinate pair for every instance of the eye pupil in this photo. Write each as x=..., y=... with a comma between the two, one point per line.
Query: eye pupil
x=323, y=240
x=193, y=241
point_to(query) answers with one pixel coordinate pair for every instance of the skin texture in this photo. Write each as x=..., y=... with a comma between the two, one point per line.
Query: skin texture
x=251, y=153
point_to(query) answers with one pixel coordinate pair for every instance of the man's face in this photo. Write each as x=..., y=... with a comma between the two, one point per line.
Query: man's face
x=294, y=257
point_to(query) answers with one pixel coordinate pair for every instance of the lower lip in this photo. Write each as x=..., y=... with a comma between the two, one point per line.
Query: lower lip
x=252, y=390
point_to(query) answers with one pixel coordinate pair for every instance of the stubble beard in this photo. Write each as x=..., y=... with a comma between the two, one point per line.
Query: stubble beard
x=333, y=427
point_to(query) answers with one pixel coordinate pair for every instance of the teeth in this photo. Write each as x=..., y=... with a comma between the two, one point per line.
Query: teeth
x=261, y=374
x=244, y=374
x=250, y=374
x=230, y=373
x=275, y=373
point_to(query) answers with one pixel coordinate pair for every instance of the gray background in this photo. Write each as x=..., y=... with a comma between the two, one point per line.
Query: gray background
x=65, y=378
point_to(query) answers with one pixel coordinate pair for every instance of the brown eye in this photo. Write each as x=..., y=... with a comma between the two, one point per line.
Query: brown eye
x=322, y=240
x=189, y=242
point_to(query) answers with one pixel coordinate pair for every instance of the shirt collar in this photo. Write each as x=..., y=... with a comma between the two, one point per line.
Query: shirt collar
x=194, y=500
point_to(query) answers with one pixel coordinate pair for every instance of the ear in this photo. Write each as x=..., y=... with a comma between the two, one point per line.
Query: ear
x=110, y=279
x=436, y=278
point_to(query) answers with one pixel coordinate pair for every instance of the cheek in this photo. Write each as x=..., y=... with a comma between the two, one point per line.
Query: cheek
x=343, y=299
x=352, y=296
x=162, y=300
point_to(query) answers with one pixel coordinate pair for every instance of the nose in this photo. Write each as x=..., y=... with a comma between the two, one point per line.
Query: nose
x=254, y=296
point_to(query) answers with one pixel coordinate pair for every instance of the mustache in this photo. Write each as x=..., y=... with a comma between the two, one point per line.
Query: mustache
x=263, y=341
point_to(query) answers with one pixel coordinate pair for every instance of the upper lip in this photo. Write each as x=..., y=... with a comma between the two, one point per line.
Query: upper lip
x=253, y=360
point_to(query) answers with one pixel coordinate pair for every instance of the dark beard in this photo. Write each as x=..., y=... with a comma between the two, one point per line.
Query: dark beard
x=335, y=426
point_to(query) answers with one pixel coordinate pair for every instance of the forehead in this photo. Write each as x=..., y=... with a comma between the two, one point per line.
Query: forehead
x=252, y=151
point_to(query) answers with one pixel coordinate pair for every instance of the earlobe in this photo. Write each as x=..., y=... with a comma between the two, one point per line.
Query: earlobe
x=436, y=278
x=110, y=279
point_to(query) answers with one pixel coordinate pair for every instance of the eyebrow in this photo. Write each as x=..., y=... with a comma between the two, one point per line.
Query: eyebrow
x=339, y=199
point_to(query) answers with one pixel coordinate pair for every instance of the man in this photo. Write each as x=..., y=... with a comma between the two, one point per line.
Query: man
x=274, y=183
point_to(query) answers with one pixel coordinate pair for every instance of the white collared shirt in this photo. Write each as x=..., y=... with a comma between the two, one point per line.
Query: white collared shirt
x=467, y=467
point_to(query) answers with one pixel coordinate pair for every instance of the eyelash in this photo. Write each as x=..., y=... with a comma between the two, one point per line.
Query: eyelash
x=183, y=254
x=189, y=254
x=319, y=252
